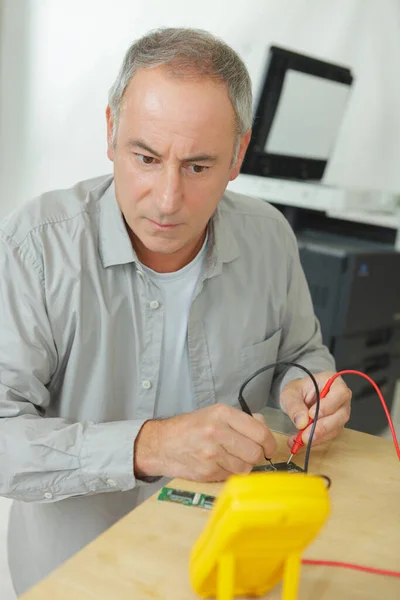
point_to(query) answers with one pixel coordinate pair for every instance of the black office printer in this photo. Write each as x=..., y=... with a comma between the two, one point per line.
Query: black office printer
x=355, y=288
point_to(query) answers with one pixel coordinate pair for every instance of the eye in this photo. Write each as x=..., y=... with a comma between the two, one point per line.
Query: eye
x=145, y=160
x=198, y=169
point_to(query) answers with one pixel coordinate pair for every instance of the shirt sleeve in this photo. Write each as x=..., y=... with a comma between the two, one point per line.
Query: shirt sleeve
x=46, y=459
x=301, y=340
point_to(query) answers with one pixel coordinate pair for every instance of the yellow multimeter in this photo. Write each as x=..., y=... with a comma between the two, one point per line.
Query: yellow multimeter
x=257, y=530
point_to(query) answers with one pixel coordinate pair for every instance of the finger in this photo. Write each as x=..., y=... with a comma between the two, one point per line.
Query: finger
x=232, y=464
x=338, y=396
x=270, y=444
x=217, y=474
x=317, y=441
x=293, y=403
x=243, y=448
x=252, y=427
x=206, y=469
x=326, y=425
x=248, y=425
x=327, y=436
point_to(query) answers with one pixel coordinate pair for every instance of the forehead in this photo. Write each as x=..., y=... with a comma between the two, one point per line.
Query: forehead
x=185, y=106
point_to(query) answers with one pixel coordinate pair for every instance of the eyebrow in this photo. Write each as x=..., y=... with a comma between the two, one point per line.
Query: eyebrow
x=134, y=143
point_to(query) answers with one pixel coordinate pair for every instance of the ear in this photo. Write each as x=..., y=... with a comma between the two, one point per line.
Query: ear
x=110, y=143
x=244, y=142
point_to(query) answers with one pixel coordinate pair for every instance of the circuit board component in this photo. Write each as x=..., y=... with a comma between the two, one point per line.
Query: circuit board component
x=168, y=494
x=281, y=467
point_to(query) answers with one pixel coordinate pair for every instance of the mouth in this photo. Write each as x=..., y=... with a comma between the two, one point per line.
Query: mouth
x=163, y=226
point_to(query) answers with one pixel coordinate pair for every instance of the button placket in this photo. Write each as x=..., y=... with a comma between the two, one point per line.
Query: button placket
x=150, y=362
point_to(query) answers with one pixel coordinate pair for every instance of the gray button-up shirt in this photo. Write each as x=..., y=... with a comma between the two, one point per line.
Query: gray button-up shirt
x=80, y=351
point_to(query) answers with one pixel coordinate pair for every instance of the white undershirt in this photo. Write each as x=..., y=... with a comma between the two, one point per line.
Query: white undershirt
x=175, y=381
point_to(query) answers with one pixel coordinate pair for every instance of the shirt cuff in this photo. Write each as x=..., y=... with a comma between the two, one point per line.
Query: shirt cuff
x=106, y=456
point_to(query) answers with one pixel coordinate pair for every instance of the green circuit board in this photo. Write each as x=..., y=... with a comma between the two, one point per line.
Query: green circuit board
x=196, y=499
x=168, y=494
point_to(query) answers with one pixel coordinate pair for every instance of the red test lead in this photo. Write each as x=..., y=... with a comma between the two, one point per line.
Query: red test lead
x=298, y=442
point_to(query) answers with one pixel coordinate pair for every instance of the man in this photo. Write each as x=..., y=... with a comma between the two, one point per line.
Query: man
x=134, y=306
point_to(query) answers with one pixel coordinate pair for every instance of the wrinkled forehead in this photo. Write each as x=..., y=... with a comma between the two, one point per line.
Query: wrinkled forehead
x=184, y=103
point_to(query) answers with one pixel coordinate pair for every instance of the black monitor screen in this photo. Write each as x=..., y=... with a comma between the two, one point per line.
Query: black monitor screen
x=297, y=117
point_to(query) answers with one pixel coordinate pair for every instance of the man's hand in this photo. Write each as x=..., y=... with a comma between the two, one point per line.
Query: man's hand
x=208, y=444
x=298, y=401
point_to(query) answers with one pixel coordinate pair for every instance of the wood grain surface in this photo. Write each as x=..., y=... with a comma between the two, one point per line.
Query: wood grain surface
x=145, y=555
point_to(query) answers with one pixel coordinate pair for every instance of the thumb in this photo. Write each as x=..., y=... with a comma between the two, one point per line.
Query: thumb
x=293, y=405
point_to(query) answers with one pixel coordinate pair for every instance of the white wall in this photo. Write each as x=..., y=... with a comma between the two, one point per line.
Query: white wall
x=59, y=65
x=14, y=107
x=6, y=588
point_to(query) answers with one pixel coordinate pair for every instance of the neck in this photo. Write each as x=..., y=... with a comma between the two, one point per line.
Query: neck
x=167, y=263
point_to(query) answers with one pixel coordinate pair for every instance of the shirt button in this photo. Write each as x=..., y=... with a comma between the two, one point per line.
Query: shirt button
x=154, y=304
x=48, y=495
x=111, y=482
x=146, y=385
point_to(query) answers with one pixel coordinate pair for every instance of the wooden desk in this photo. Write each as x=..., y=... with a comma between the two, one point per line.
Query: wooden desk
x=145, y=555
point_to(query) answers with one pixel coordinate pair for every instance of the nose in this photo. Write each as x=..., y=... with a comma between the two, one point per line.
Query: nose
x=169, y=192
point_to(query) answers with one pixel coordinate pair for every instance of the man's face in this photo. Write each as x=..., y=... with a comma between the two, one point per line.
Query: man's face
x=172, y=162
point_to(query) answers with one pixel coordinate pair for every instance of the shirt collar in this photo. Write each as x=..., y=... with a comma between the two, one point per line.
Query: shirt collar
x=223, y=246
x=115, y=245
x=116, y=248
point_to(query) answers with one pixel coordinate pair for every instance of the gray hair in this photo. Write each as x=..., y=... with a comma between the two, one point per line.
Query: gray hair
x=188, y=52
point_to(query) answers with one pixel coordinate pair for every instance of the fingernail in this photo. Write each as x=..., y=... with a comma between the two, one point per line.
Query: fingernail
x=300, y=420
x=259, y=417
